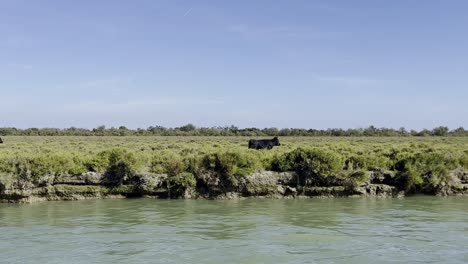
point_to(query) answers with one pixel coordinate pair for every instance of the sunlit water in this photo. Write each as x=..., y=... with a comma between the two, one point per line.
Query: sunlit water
x=350, y=230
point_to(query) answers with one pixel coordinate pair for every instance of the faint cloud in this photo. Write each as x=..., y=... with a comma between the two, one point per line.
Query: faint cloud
x=294, y=54
x=241, y=28
x=284, y=32
x=279, y=29
x=89, y=24
x=143, y=105
x=330, y=7
x=99, y=83
x=21, y=66
x=15, y=40
x=106, y=82
x=347, y=80
x=106, y=27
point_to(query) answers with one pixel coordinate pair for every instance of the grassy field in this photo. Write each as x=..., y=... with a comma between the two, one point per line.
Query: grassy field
x=417, y=161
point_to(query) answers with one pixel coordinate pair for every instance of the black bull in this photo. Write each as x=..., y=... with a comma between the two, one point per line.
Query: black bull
x=264, y=143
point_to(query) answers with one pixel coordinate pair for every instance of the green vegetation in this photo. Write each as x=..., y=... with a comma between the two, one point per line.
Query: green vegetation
x=413, y=164
x=313, y=166
x=356, y=178
x=191, y=130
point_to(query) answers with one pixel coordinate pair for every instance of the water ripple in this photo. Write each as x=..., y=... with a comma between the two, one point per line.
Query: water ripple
x=410, y=230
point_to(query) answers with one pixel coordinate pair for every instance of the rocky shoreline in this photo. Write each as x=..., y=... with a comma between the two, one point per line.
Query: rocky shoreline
x=267, y=184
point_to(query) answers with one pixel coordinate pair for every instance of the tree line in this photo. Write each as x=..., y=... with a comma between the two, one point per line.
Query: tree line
x=191, y=130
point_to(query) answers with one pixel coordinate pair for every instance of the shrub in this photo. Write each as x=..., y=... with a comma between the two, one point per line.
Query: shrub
x=193, y=163
x=167, y=162
x=225, y=161
x=78, y=165
x=121, y=165
x=288, y=161
x=437, y=177
x=357, y=178
x=179, y=183
x=236, y=163
x=230, y=167
x=42, y=169
x=6, y=182
x=96, y=163
x=312, y=165
x=367, y=162
x=409, y=179
x=464, y=160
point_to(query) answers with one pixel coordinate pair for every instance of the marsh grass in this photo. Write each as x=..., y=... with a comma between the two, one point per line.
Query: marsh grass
x=419, y=163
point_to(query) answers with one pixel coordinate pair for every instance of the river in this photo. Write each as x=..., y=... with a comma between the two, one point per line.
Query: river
x=420, y=229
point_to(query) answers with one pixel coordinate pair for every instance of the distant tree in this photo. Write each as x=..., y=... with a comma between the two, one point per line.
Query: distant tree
x=123, y=131
x=156, y=130
x=187, y=128
x=191, y=130
x=272, y=131
x=370, y=131
x=337, y=132
x=99, y=131
x=440, y=131
x=298, y=132
x=424, y=133
x=234, y=130
x=8, y=131
x=32, y=131
x=355, y=132
x=459, y=132
x=402, y=131
x=284, y=132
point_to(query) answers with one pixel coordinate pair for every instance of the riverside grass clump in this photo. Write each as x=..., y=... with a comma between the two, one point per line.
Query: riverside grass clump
x=417, y=164
x=313, y=166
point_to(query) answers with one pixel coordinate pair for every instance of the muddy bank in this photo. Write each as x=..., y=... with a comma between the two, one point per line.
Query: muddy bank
x=260, y=184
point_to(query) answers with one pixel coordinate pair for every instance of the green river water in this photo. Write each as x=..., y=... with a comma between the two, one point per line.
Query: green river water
x=420, y=229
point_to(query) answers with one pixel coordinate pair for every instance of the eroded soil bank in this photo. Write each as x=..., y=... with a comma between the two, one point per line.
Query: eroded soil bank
x=260, y=184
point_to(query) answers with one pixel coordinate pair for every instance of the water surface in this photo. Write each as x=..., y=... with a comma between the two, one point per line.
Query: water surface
x=420, y=229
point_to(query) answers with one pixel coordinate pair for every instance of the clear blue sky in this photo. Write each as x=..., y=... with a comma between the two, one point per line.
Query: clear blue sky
x=306, y=64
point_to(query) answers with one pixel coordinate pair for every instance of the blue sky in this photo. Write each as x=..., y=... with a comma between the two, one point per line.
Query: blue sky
x=306, y=64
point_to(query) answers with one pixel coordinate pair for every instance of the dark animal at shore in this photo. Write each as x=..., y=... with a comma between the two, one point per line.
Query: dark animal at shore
x=264, y=143
x=1, y=141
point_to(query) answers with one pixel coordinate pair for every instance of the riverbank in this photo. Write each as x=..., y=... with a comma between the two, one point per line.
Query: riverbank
x=70, y=168
x=268, y=184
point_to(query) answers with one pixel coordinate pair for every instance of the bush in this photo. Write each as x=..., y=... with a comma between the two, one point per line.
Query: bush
x=288, y=161
x=42, y=169
x=6, y=182
x=219, y=163
x=464, y=160
x=230, y=167
x=236, y=163
x=357, y=178
x=167, y=162
x=120, y=166
x=409, y=179
x=312, y=165
x=436, y=178
x=367, y=162
x=96, y=163
x=179, y=183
